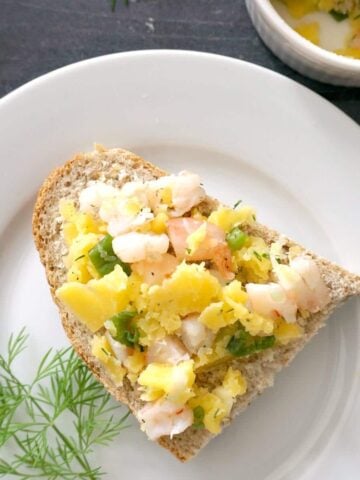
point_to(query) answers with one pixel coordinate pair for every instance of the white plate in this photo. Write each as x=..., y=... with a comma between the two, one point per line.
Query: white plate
x=253, y=135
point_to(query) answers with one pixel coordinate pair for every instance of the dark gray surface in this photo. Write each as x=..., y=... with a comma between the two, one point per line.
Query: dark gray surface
x=37, y=36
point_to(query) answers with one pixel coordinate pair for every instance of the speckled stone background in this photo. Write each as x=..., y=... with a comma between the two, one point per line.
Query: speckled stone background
x=37, y=36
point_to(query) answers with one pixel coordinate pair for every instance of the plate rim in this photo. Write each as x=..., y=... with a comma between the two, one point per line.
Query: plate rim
x=179, y=53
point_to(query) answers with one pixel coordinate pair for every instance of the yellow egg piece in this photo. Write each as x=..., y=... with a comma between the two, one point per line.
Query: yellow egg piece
x=299, y=8
x=327, y=5
x=234, y=382
x=75, y=222
x=174, y=381
x=81, y=246
x=189, y=289
x=135, y=362
x=253, y=261
x=195, y=239
x=349, y=52
x=98, y=300
x=101, y=349
x=79, y=272
x=227, y=218
x=309, y=31
x=67, y=209
x=212, y=316
x=234, y=294
x=286, y=332
x=207, y=357
x=217, y=315
x=164, y=195
x=159, y=223
x=70, y=232
x=256, y=324
x=215, y=409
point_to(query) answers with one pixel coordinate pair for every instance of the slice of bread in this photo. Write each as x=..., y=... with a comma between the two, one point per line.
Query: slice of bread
x=117, y=166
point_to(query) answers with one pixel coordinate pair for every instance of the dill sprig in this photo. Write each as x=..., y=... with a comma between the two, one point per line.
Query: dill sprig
x=49, y=427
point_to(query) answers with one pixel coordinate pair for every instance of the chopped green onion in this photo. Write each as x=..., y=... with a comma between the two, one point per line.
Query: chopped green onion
x=338, y=16
x=237, y=204
x=242, y=343
x=236, y=238
x=199, y=415
x=104, y=259
x=126, y=332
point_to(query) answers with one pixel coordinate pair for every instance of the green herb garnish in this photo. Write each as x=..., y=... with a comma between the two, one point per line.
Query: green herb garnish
x=199, y=414
x=126, y=332
x=237, y=204
x=236, y=239
x=103, y=258
x=257, y=255
x=242, y=343
x=338, y=16
x=52, y=424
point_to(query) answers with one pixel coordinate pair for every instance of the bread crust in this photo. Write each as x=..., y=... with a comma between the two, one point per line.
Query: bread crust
x=116, y=167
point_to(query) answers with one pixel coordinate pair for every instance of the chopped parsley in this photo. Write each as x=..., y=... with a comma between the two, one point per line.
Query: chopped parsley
x=242, y=343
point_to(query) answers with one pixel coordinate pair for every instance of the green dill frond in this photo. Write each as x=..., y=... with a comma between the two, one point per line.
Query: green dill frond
x=62, y=393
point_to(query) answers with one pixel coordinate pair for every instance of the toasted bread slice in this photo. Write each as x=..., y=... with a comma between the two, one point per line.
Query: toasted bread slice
x=117, y=166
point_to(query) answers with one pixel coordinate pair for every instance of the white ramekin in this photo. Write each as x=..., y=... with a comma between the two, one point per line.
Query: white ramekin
x=298, y=53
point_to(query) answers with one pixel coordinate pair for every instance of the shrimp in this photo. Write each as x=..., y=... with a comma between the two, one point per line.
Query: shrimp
x=164, y=418
x=122, y=209
x=92, y=197
x=134, y=247
x=120, y=351
x=317, y=293
x=138, y=190
x=211, y=247
x=186, y=191
x=293, y=285
x=153, y=272
x=270, y=300
x=223, y=261
x=167, y=350
x=124, y=214
x=195, y=334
